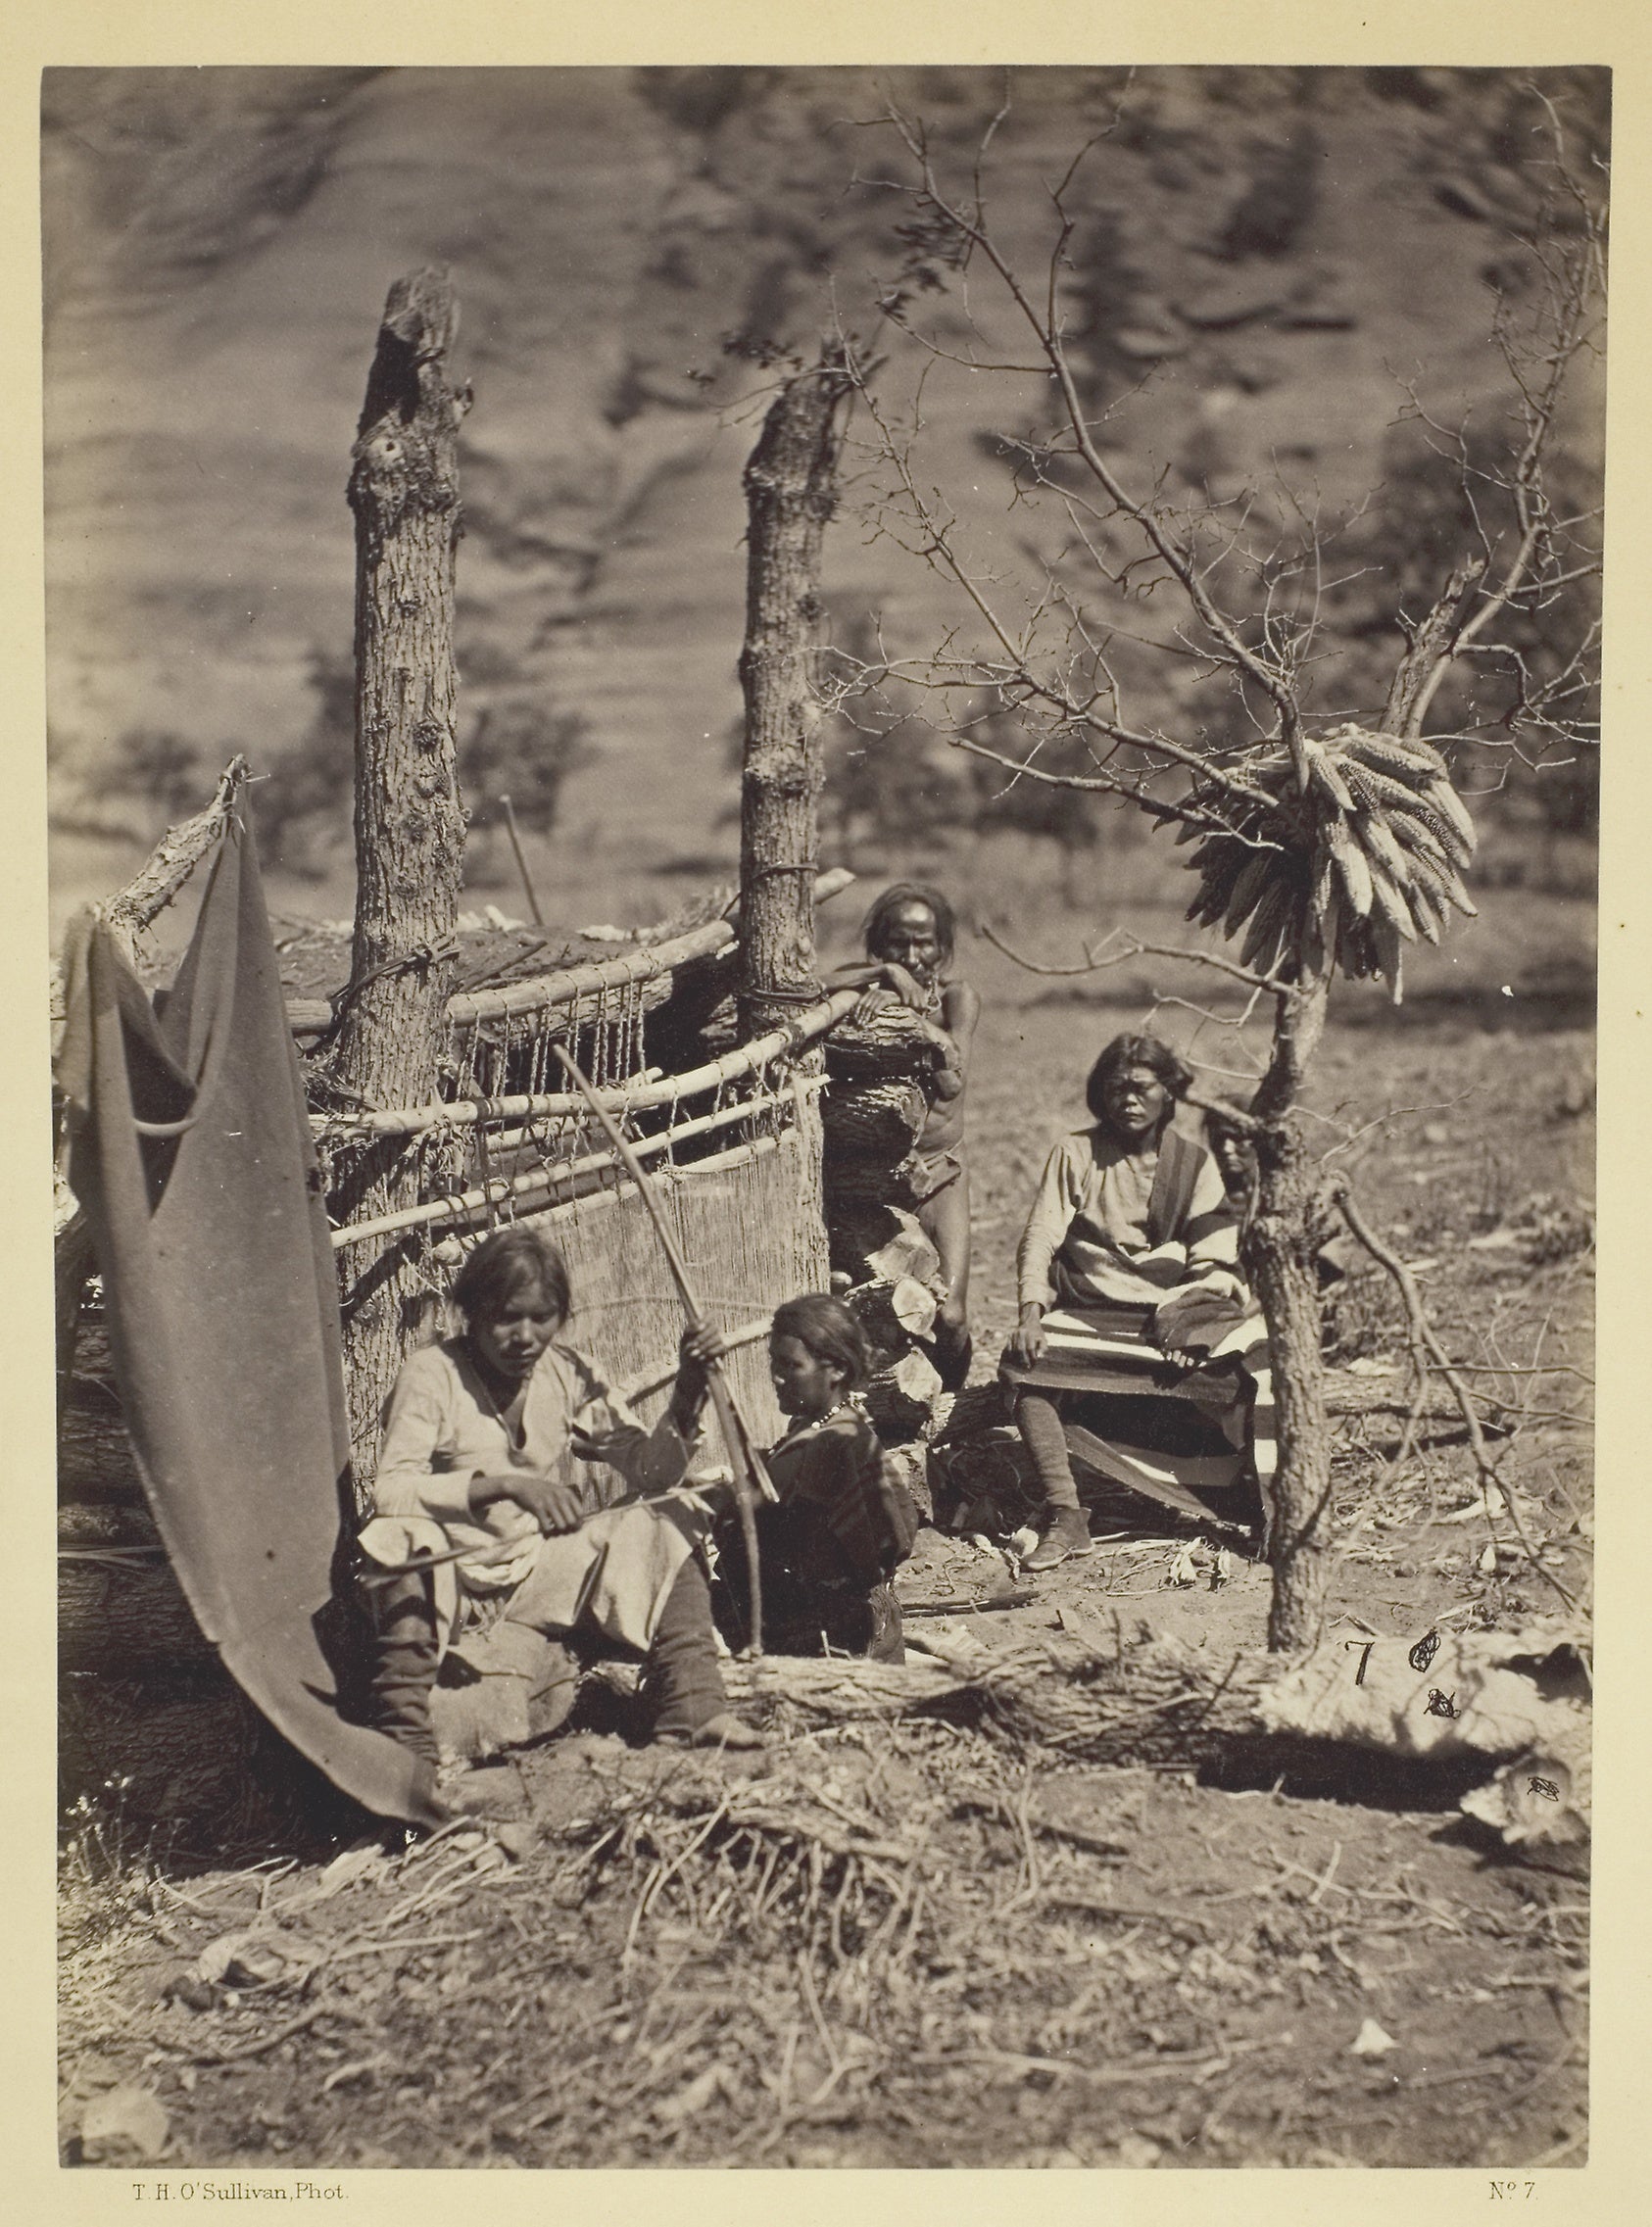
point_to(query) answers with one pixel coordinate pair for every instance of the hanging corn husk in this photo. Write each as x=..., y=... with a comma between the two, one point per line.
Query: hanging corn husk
x=1367, y=859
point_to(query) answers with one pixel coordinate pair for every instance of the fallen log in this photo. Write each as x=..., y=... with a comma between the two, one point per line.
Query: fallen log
x=1460, y=1709
x=190, y=1761
x=1351, y=1392
x=121, y=1610
x=180, y=1750
x=990, y=1604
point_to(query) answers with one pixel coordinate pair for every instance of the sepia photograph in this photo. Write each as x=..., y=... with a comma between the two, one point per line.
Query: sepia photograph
x=824, y=906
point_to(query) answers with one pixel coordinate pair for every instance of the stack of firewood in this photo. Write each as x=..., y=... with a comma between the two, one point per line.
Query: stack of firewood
x=895, y=1304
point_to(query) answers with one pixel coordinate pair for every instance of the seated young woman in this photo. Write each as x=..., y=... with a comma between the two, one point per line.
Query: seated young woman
x=509, y=1443
x=1129, y=1265
x=831, y=1543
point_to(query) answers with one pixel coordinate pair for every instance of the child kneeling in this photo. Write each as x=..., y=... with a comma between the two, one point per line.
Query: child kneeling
x=829, y=1546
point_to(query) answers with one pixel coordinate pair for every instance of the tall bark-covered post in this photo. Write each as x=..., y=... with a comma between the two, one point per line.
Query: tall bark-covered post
x=791, y=483
x=1281, y=1245
x=410, y=826
x=1288, y=1225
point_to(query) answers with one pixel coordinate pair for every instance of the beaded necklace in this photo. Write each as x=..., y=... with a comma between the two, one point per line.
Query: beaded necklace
x=800, y=1431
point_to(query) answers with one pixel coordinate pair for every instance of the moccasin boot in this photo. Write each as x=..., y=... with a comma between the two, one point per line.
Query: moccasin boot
x=406, y=1655
x=486, y=1795
x=1063, y=1538
x=725, y=1730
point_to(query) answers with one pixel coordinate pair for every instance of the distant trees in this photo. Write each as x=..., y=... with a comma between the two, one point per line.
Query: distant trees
x=517, y=745
x=159, y=765
x=1525, y=707
x=1069, y=818
x=893, y=783
x=524, y=748
x=885, y=788
x=301, y=810
x=154, y=768
x=697, y=98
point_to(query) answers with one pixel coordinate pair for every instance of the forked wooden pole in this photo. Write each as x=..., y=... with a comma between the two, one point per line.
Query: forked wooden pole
x=751, y=1480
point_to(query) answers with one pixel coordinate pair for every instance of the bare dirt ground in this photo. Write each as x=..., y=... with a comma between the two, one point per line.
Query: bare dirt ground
x=926, y=1943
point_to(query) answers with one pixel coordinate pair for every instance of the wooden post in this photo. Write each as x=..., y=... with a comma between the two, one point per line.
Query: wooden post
x=1284, y=1233
x=791, y=483
x=410, y=826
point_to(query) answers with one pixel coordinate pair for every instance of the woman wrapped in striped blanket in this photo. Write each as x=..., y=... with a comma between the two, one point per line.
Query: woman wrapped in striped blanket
x=1128, y=1288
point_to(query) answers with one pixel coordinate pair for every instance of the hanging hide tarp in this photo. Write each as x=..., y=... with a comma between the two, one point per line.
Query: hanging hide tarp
x=192, y=1157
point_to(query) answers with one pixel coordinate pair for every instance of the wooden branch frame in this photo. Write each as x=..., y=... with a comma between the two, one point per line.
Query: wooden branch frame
x=453, y=1249
x=543, y=993
x=172, y=860
x=467, y=1113
x=504, y=1190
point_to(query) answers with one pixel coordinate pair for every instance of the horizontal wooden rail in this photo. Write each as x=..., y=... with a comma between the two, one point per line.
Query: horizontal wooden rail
x=645, y=963
x=657, y=1379
x=465, y=1113
x=458, y=1206
x=452, y=1250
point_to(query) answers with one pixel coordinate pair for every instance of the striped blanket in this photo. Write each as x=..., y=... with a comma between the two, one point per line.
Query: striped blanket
x=1148, y=1420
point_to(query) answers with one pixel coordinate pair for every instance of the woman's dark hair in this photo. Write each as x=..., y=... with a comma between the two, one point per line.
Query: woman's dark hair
x=1234, y=1155
x=511, y=1265
x=1135, y=1051
x=875, y=927
x=830, y=1331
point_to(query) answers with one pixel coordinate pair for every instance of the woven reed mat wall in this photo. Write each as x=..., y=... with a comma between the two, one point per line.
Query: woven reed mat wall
x=751, y=1235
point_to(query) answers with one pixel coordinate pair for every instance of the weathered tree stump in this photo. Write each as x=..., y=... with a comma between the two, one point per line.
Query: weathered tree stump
x=409, y=825
x=791, y=491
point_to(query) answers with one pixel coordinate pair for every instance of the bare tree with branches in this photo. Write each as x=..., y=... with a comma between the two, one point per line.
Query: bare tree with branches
x=1325, y=842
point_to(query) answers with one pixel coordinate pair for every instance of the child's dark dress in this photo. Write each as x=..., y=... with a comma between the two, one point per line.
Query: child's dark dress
x=829, y=1546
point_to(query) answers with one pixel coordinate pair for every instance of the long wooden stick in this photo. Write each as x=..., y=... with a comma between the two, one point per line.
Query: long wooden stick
x=510, y=811
x=751, y=1480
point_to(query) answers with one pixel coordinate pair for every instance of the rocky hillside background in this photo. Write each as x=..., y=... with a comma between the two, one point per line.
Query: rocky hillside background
x=1264, y=260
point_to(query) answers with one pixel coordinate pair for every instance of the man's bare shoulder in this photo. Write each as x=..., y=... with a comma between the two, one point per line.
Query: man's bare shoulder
x=961, y=1002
